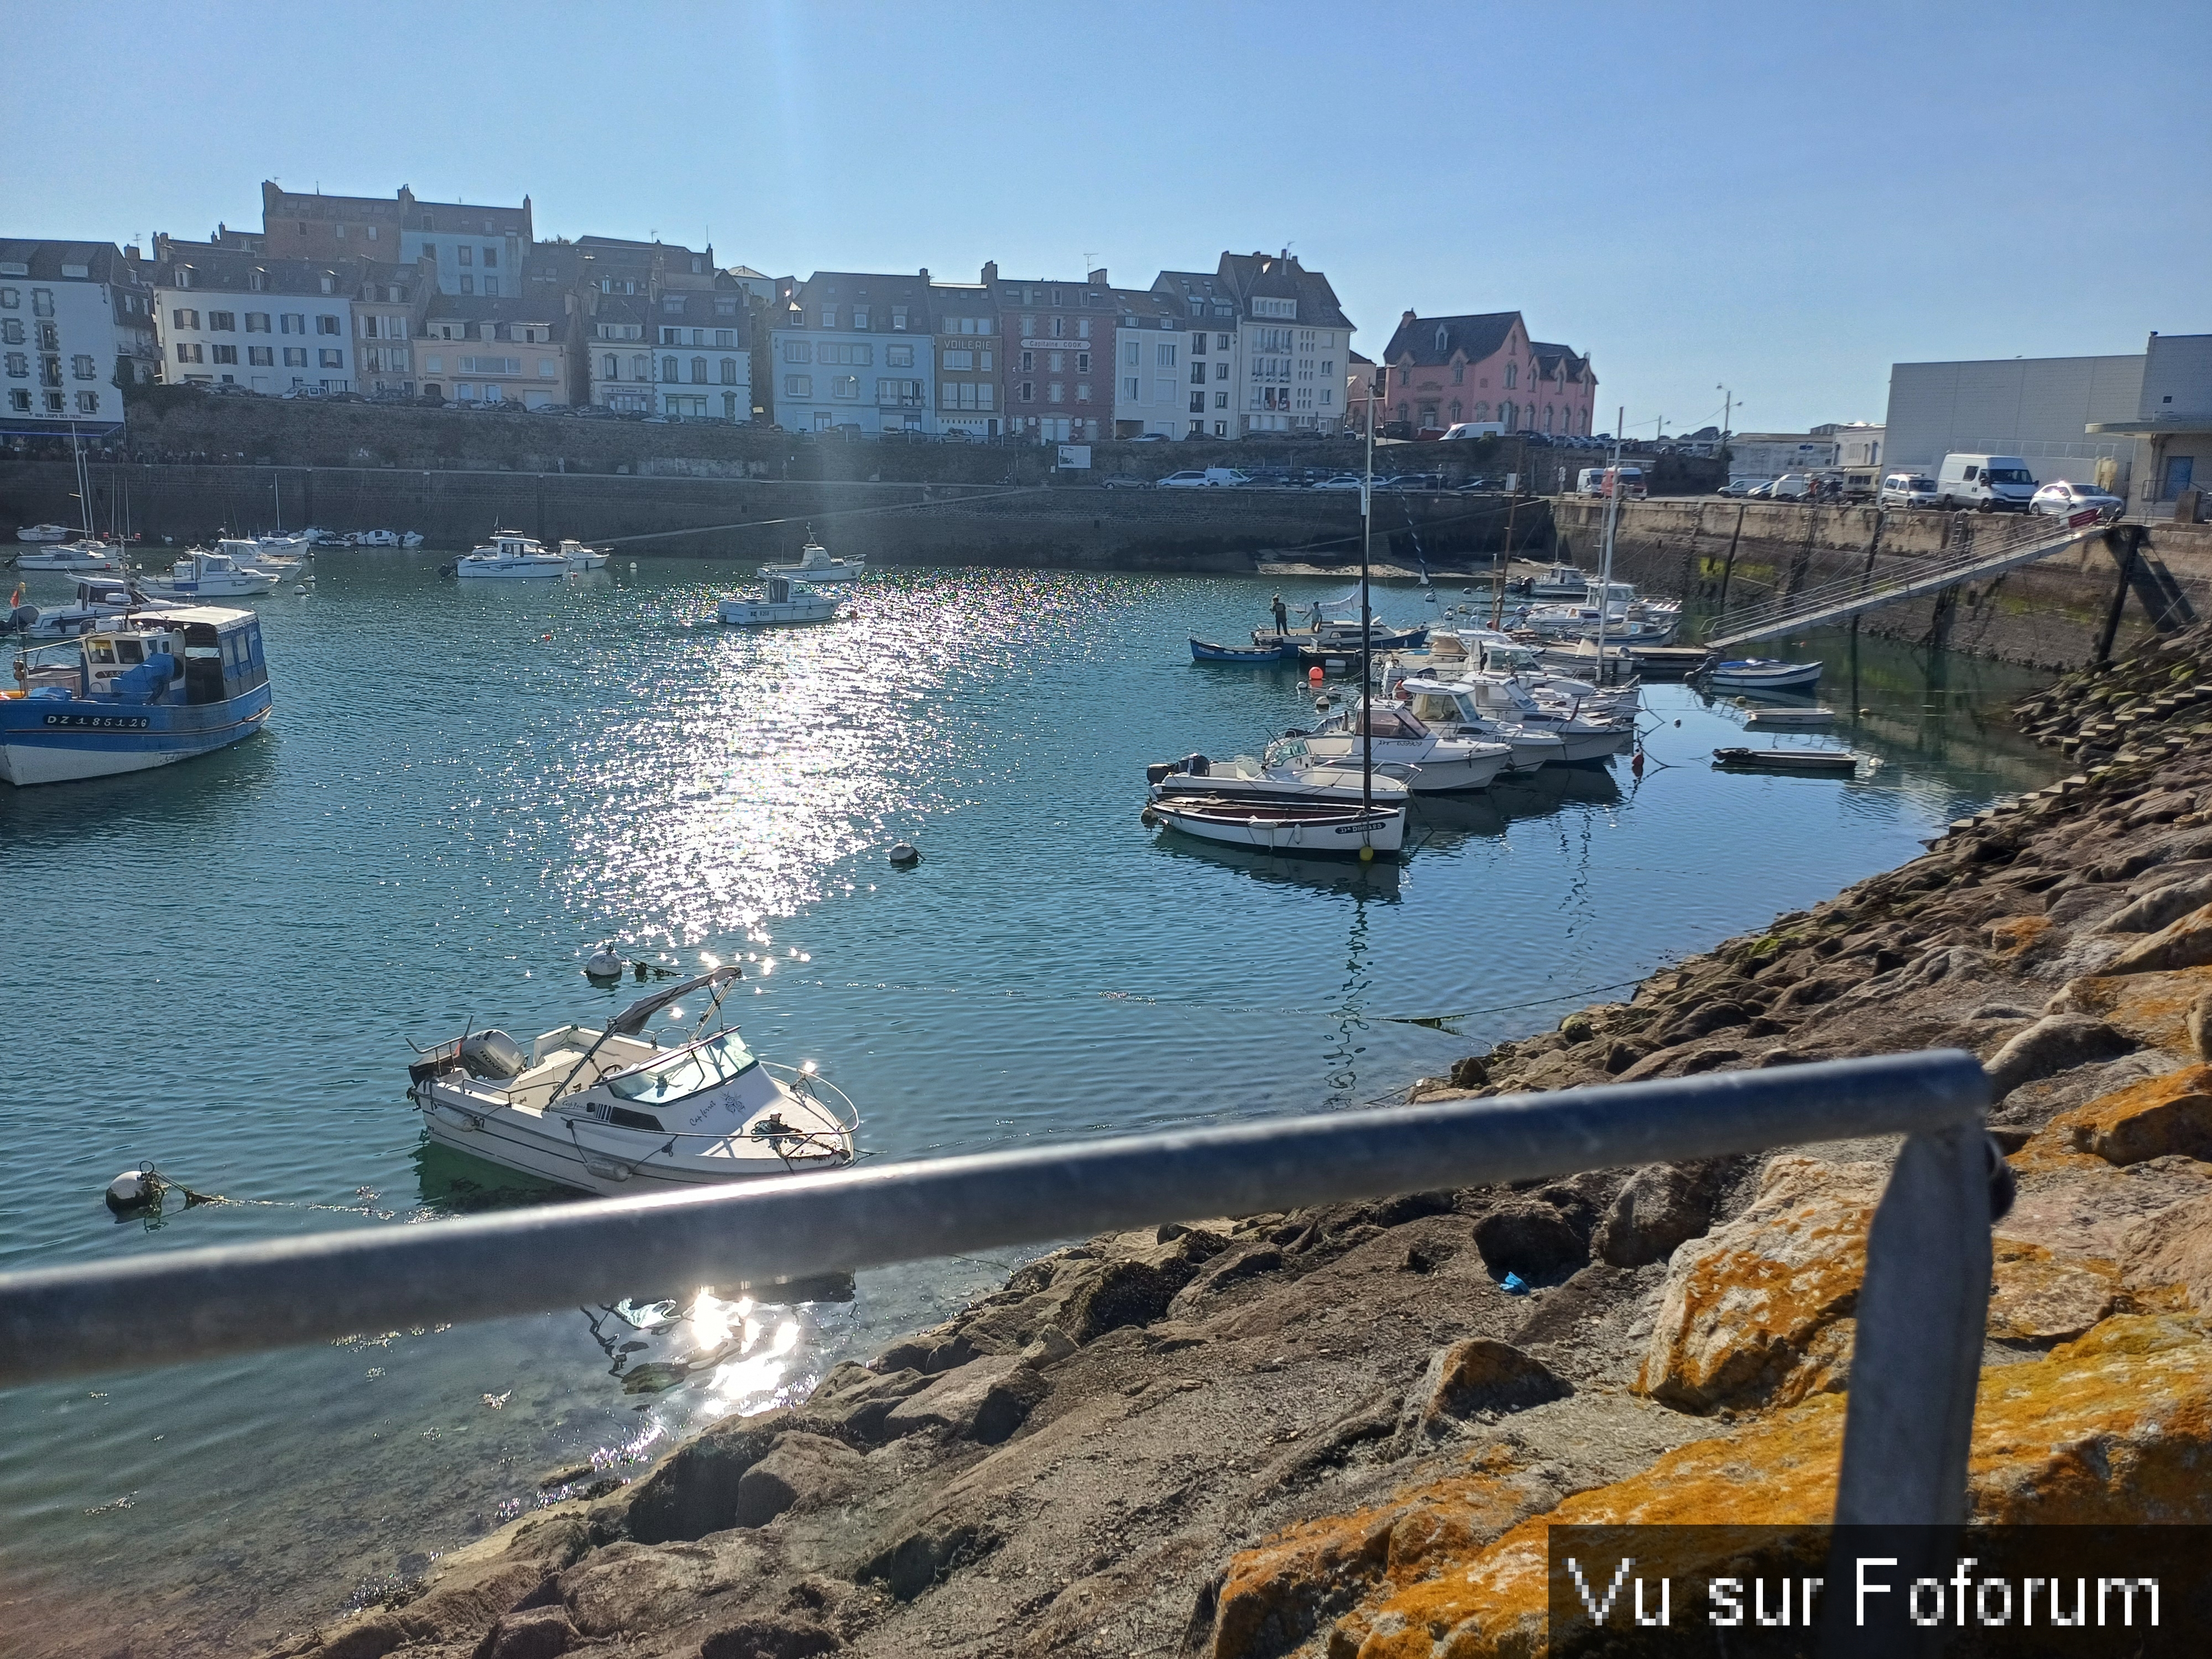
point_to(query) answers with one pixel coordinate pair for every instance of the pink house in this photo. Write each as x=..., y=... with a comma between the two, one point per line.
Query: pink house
x=1443, y=370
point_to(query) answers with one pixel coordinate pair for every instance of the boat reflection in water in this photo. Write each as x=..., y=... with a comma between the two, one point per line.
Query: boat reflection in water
x=1379, y=879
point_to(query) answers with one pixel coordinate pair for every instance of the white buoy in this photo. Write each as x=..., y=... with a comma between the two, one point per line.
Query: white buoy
x=134, y=1189
x=905, y=854
x=604, y=963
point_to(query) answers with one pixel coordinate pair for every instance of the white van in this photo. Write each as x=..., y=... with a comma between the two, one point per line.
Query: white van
x=1990, y=483
x=1598, y=481
x=1907, y=489
x=1467, y=429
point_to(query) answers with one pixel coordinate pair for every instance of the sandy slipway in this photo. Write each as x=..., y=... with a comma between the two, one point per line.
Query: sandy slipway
x=1332, y=1432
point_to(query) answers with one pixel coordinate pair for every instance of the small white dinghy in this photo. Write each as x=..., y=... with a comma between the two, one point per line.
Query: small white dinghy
x=785, y=601
x=1287, y=773
x=815, y=565
x=1786, y=718
x=611, y=1111
x=1763, y=674
x=1305, y=828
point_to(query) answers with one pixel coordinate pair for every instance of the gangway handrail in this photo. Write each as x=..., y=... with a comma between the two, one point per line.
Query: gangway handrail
x=1920, y=1312
x=1900, y=580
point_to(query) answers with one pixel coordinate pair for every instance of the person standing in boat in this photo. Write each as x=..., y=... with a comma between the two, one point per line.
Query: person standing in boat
x=1282, y=616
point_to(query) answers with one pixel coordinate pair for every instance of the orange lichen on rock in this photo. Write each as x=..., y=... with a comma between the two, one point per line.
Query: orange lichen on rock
x=2153, y=1118
x=2115, y=1427
x=2015, y=935
x=2153, y=1008
x=1276, y=1595
x=1757, y=1312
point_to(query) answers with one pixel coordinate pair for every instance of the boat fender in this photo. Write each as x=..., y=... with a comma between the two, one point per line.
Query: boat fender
x=1148, y=818
x=905, y=854
x=133, y=1190
x=604, y=963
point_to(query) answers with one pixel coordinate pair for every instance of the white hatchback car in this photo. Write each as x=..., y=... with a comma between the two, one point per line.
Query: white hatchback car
x=1906, y=489
x=2063, y=501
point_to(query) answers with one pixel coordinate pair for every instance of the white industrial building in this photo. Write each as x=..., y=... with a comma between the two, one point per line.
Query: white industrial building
x=2037, y=408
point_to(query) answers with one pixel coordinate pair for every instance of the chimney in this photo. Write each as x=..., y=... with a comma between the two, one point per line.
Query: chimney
x=925, y=273
x=1405, y=320
x=990, y=270
x=1097, y=276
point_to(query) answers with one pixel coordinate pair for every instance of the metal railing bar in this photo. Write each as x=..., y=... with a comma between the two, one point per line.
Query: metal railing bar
x=175, y=1306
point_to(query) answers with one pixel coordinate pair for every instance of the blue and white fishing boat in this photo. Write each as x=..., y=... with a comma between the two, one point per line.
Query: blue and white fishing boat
x=784, y=601
x=98, y=599
x=140, y=691
x=1763, y=674
x=204, y=575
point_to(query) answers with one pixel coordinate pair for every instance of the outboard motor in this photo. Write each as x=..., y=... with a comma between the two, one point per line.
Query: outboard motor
x=494, y=1056
x=23, y=617
x=1197, y=766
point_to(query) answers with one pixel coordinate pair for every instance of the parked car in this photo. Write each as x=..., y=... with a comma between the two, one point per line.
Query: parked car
x=1151, y=438
x=1124, y=481
x=1411, y=481
x=1481, y=486
x=1269, y=477
x=1906, y=489
x=955, y=435
x=1600, y=480
x=1210, y=477
x=1740, y=487
x=1990, y=483
x=2062, y=500
x=1341, y=481
x=1402, y=430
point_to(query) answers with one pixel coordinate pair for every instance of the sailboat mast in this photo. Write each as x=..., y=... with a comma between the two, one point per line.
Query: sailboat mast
x=1612, y=519
x=1366, y=624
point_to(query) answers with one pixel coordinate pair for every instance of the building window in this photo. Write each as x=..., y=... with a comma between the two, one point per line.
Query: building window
x=611, y=367
x=726, y=338
x=670, y=371
x=698, y=371
x=1083, y=392
x=19, y=365
x=81, y=365
x=42, y=302
x=844, y=385
x=798, y=385
x=468, y=284
x=726, y=305
x=10, y=297
x=184, y=316
x=1221, y=400
x=1129, y=393
x=1029, y=363
x=898, y=356
x=19, y=400
x=188, y=352
x=11, y=331
x=327, y=326
x=292, y=322
x=829, y=316
x=491, y=259
x=1221, y=370
x=1512, y=373
x=257, y=322
x=798, y=351
x=898, y=316
x=88, y=403
x=1028, y=388
x=223, y=354
x=1055, y=393
x=1197, y=373
x=261, y=356
x=296, y=356
x=641, y=367
x=729, y=371
x=330, y=358
x=859, y=316
x=224, y=321
x=1166, y=354
x=1198, y=403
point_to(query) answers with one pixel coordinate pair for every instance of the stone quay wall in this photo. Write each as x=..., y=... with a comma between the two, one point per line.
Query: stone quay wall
x=2047, y=615
x=1059, y=525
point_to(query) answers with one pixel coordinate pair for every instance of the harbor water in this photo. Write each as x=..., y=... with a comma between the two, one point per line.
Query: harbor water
x=217, y=968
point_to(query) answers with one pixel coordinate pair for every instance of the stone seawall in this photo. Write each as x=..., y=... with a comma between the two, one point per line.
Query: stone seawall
x=2045, y=615
x=1037, y=526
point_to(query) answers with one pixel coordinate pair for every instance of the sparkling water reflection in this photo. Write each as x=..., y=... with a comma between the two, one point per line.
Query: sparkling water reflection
x=464, y=791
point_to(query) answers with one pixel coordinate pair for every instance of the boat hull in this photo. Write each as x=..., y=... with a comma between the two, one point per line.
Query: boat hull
x=1792, y=676
x=841, y=571
x=612, y=1169
x=51, y=741
x=244, y=586
x=63, y=562
x=1305, y=833
x=1827, y=761
x=532, y=572
x=1254, y=655
x=736, y=613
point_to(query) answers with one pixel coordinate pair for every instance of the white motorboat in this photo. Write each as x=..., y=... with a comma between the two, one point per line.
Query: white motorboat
x=1622, y=617
x=204, y=575
x=1429, y=761
x=258, y=555
x=814, y=564
x=612, y=1111
x=70, y=555
x=44, y=533
x=508, y=556
x=1561, y=581
x=292, y=547
x=1786, y=718
x=1450, y=710
x=98, y=599
x=582, y=558
x=1287, y=772
x=1304, y=828
x=1495, y=703
x=1457, y=653
x=1763, y=674
x=785, y=601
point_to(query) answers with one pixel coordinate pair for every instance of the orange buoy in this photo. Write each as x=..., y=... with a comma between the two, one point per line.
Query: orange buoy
x=1312, y=675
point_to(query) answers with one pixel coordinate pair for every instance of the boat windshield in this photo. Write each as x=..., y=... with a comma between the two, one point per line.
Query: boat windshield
x=685, y=1073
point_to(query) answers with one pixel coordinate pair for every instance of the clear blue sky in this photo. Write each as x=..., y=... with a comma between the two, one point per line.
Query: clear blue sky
x=1785, y=199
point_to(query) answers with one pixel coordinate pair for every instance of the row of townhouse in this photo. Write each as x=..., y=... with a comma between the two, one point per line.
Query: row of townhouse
x=77, y=323
x=1260, y=345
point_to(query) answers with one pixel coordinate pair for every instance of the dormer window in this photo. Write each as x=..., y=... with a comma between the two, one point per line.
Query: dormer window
x=859, y=316
x=1443, y=338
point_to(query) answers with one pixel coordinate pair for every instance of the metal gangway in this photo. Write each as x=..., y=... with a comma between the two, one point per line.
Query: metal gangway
x=1982, y=554
x=1917, y=1352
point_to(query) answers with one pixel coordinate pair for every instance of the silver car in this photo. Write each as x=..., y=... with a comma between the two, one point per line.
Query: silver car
x=2062, y=500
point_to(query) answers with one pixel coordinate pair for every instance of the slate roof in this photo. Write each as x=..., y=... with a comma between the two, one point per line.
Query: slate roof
x=1149, y=307
x=229, y=270
x=1479, y=336
x=879, y=291
x=1276, y=277
x=1550, y=360
x=103, y=261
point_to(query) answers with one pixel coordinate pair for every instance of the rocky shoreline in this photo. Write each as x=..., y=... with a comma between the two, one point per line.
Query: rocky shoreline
x=1336, y=1431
